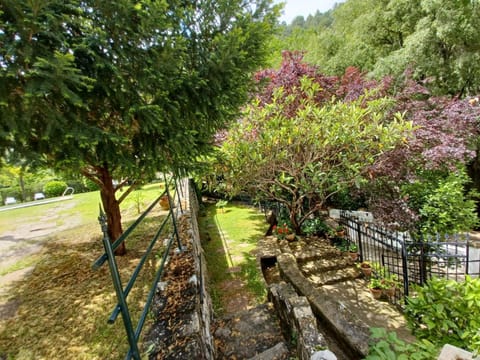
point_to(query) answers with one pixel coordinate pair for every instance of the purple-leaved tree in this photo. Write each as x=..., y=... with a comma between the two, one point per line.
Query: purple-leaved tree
x=445, y=135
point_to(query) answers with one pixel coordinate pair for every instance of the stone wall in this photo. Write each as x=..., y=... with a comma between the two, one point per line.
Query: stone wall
x=204, y=305
x=182, y=306
x=297, y=320
x=345, y=324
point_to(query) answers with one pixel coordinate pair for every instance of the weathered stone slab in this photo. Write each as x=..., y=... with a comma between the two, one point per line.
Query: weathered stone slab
x=349, y=327
x=296, y=315
x=268, y=247
x=344, y=323
x=450, y=352
x=320, y=278
x=323, y=355
x=278, y=352
x=326, y=264
x=310, y=254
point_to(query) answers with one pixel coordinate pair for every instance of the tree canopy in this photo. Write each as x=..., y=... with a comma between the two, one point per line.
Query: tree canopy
x=307, y=137
x=121, y=89
x=444, y=142
x=438, y=39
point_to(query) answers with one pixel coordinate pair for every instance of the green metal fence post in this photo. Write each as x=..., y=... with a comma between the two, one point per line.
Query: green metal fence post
x=179, y=193
x=173, y=215
x=127, y=321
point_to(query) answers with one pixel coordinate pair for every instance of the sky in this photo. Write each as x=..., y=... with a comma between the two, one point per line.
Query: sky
x=294, y=8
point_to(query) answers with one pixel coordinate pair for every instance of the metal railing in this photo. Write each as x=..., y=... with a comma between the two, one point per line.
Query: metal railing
x=133, y=334
x=413, y=261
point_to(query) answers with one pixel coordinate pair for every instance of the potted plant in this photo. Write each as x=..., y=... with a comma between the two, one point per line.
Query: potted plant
x=353, y=250
x=390, y=283
x=165, y=202
x=376, y=287
x=331, y=233
x=341, y=245
x=282, y=231
x=379, y=270
x=366, y=268
x=340, y=231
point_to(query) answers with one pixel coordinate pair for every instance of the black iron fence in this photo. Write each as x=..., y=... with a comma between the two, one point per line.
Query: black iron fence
x=133, y=332
x=412, y=261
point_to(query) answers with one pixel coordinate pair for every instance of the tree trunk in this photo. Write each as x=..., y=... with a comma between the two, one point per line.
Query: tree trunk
x=294, y=220
x=112, y=209
x=22, y=185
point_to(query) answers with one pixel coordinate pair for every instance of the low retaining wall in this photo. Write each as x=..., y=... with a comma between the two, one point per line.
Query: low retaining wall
x=345, y=324
x=204, y=308
x=182, y=306
x=299, y=322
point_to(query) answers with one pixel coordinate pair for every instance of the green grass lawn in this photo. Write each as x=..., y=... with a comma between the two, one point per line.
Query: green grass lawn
x=229, y=238
x=84, y=208
x=63, y=305
x=71, y=217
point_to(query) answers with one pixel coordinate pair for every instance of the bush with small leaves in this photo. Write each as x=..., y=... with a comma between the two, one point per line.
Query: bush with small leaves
x=54, y=188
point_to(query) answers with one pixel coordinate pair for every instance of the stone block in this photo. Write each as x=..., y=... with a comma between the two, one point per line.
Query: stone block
x=450, y=352
x=323, y=355
x=278, y=352
x=296, y=315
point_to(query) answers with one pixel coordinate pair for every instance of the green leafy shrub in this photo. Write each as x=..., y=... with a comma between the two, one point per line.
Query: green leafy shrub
x=221, y=205
x=315, y=226
x=14, y=191
x=54, y=188
x=77, y=185
x=445, y=311
x=347, y=199
x=442, y=203
x=90, y=185
x=387, y=346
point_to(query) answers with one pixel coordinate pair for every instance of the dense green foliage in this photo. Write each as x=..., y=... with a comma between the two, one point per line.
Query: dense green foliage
x=446, y=209
x=447, y=312
x=387, y=346
x=298, y=146
x=437, y=39
x=121, y=90
x=54, y=188
x=21, y=181
x=95, y=83
x=442, y=312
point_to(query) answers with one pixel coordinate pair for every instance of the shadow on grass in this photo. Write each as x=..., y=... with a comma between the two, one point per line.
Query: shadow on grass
x=64, y=304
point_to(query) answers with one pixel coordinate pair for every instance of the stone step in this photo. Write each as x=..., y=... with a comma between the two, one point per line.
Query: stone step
x=334, y=276
x=278, y=352
x=309, y=249
x=339, y=261
x=311, y=254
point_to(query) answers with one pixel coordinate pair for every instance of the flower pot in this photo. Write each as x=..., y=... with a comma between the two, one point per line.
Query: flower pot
x=390, y=292
x=367, y=271
x=376, y=293
x=290, y=237
x=164, y=203
x=353, y=255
